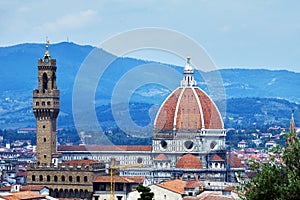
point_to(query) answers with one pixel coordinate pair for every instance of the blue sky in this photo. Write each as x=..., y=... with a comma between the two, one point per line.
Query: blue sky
x=244, y=34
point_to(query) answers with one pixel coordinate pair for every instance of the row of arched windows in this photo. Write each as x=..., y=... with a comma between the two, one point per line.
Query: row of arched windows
x=63, y=178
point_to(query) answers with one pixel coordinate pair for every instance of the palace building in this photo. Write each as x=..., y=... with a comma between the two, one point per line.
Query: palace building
x=188, y=142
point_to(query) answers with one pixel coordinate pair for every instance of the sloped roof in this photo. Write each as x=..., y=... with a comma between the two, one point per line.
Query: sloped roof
x=173, y=185
x=79, y=162
x=193, y=184
x=188, y=108
x=161, y=157
x=23, y=195
x=119, y=179
x=233, y=160
x=216, y=157
x=189, y=161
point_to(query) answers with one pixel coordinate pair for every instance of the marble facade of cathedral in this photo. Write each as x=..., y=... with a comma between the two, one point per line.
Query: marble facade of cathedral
x=188, y=141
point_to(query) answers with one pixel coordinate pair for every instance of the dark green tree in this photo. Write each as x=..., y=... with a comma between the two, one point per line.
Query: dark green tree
x=276, y=179
x=146, y=193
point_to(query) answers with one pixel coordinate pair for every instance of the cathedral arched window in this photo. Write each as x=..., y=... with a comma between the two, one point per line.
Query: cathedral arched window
x=63, y=179
x=70, y=178
x=55, y=178
x=33, y=177
x=78, y=178
x=48, y=178
x=41, y=177
x=45, y=82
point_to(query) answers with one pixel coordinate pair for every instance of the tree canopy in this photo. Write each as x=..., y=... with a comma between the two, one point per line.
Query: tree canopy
x=279, y=178
x=146, y=193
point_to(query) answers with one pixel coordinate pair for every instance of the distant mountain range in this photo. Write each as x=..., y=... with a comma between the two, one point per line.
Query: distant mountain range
x=265, y=90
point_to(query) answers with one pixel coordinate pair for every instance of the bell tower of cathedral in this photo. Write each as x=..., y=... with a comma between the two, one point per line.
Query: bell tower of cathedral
x=46, y=109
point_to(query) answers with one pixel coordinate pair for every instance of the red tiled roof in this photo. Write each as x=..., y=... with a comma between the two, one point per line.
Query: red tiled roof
x=161, y=157
x=173, y=185
x=23, y=195
x=191, y=198
x=233, y=160
x=119, y=179
x=79, y=162
x=6, y=188
x=103, y=148
x=32, y=188
x=193, y=184
x=189, y=161
x=188, y=115
x=21, y=174
x=229, y=188
x=24, y=188
x=216, y=157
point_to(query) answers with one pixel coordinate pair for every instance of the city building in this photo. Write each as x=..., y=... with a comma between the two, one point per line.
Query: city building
x=188, y=144
x=73, y=178
x=188, y=141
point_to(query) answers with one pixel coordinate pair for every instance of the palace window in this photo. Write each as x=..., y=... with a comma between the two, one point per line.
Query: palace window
x=85, y=178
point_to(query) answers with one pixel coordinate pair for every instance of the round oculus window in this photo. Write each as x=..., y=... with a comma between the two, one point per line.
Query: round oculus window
x=213, y=144
x=139, y=160
x=188, y=144
x=163, y=144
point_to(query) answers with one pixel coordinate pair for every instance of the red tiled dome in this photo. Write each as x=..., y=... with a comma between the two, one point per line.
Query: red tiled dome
x=188, y=108
x=161, y=157
x=189, y=161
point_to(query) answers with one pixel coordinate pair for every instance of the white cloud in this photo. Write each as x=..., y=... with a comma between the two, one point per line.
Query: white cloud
x=69, y=21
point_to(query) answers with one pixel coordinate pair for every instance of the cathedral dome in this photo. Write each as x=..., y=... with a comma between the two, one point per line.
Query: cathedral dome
x=188, y=108
x=189, y=161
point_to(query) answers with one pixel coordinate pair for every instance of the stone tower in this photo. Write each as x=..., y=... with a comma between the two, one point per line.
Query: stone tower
x=46, y=109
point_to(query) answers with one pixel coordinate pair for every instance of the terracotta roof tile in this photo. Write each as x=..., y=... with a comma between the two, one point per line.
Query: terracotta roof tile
x=6, y=188
x=193, y=184
x=189, y=161
x=23, y=195
x=216, y=157
x=233, y=160
x=161, y=157
x=119, y=179
x=189, y=116
x=31, y=188
x=79, y=162
x=173, y=185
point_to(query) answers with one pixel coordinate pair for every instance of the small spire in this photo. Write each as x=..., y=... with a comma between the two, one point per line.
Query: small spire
x=292, y=135
x=292, y=123
x=188, y=60
x=47, y=54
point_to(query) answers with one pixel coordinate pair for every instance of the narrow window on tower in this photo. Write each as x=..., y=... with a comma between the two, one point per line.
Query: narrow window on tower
x=44, y=139
x=45, y=82
x=37, y=103
x=53, y=81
